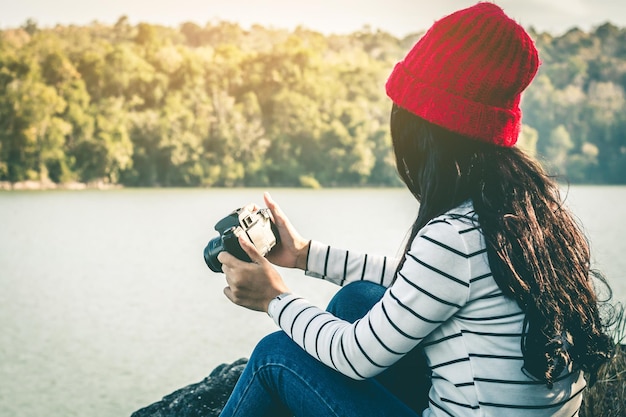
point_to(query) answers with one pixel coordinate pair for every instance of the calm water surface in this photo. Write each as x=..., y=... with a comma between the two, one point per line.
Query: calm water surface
x=107, y=305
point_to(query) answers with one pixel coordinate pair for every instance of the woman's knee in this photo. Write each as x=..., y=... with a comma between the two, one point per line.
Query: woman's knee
x=273, y=342
x=354, y=300
x=275, y=348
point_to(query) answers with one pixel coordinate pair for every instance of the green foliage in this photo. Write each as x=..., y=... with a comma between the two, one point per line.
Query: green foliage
x=577, y=104
x=217, y=105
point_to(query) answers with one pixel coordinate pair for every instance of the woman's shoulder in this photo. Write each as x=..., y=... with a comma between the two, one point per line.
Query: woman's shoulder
x=460, y=217
x=457, y=230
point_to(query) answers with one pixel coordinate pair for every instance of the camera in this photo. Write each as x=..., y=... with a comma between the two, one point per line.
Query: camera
x=255, y=225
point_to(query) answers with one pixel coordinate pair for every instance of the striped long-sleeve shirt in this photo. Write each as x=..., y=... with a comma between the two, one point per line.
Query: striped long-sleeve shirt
x=446, y=299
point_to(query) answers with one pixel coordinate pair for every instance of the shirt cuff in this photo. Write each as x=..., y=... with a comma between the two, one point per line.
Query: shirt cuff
x=277, y=304
x=316, y=260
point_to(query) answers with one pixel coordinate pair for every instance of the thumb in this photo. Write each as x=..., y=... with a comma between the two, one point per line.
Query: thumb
x=251, y=250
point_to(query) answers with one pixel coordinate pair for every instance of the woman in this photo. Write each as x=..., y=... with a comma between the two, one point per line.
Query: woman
x=494, y=288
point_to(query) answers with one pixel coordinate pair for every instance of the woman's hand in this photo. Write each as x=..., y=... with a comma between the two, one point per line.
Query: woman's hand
x=251, y=284
x=293, y=249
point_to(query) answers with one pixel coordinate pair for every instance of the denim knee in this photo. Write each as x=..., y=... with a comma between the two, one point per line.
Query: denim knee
x=272, y=342
x=355, y=299
x=275, y=346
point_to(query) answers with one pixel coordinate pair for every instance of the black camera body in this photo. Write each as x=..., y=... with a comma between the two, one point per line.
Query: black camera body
x=256, y=226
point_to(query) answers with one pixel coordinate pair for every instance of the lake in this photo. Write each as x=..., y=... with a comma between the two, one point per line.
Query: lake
x=107, y=305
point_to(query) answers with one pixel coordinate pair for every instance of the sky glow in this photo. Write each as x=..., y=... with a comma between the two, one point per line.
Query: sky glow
x=399, y=17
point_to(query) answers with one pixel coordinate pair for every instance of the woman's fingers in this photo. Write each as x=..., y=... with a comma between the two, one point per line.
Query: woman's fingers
x=251, y=250
x=279, y=216
x=225, y=258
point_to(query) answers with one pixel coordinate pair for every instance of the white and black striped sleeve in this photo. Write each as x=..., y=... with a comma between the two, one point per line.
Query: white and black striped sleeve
x=432, y=285
x=341, y=266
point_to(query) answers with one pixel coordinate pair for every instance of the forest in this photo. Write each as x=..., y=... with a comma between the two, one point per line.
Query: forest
x=143, y=105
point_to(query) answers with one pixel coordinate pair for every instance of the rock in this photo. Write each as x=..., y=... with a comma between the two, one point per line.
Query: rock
x=203, y=399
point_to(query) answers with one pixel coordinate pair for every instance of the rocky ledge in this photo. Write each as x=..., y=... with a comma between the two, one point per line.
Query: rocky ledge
x=203, y=399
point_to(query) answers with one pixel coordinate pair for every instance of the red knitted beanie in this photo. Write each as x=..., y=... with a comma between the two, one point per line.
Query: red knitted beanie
x=467, y=73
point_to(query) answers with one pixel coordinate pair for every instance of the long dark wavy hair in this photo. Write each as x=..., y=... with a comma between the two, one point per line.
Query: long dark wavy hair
x=538, y=254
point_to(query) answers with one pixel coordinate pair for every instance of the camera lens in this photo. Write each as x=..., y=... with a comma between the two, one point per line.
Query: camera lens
x=213, y=248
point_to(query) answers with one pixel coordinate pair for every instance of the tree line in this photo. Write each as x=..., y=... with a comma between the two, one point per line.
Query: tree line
x=220, y=105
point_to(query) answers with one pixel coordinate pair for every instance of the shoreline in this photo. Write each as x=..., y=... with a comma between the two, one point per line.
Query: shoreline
x=49, y=185
x=102, y=185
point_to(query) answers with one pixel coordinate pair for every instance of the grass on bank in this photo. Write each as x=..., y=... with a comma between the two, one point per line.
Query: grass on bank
x=607, y=398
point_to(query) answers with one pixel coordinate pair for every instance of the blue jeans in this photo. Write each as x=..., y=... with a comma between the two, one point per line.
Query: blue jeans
x=281, y=379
